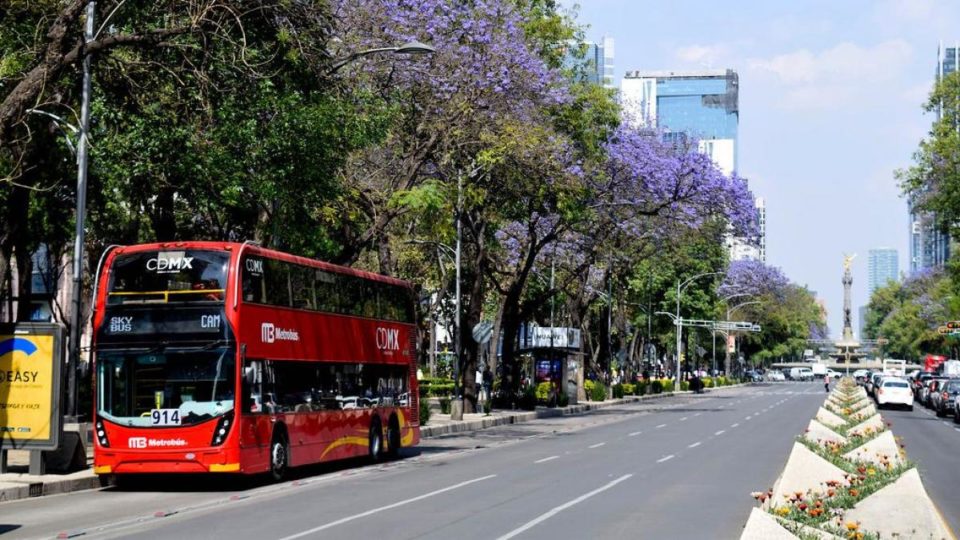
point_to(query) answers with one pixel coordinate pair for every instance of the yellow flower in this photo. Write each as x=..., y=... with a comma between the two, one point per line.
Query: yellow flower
x=851, y=526
x=783, y=510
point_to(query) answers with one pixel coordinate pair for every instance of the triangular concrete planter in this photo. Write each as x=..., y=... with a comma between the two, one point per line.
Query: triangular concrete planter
x=901, y=510
x=883, y=445
x=817, y=433
x=805, y=471
x=829, y=419
x=763, y=526
x=874, y=422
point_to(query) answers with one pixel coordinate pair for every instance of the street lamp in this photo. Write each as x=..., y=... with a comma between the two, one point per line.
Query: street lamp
x=412, y=48
x=678, y=321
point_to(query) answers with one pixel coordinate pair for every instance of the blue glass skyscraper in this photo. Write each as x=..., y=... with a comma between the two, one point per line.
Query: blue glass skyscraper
x=929, y=239
x=882, y=266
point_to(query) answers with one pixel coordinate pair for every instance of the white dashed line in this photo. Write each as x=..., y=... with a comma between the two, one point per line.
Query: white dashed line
x=598, y=445
x=694, y=445
x=665, y=458
x=661, y=425
x=635, y=433
x=749, y=417
x=698, y=414
x=546, y=459
x=721, y=432
x=735, y=425
x=684, y=419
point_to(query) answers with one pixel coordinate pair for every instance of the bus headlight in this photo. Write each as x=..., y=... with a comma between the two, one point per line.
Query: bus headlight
x=102, y=435
x=222, y=429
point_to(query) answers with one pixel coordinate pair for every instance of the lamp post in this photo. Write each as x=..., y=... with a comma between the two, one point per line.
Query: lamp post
x=410, y=48
x=679, y=322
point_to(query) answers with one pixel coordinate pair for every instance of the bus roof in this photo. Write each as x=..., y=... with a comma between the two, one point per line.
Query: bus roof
x=262, y=251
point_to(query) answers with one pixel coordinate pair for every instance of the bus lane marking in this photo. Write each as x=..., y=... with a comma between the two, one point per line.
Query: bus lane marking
x=556, y=510
x=665, y=458
x=546, y=459
x=404, y=502
x=598, y=445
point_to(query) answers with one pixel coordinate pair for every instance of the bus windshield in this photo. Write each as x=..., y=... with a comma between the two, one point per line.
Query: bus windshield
x=168, y=276
x=165, y=389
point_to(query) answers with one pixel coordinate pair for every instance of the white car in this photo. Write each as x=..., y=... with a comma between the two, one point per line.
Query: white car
x=774, y=375
x=894, y=391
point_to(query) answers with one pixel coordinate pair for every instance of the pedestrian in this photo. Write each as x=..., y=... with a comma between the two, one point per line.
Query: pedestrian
x=826, y=383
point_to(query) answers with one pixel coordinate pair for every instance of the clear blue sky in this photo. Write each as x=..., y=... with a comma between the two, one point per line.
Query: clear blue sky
x=830, y=106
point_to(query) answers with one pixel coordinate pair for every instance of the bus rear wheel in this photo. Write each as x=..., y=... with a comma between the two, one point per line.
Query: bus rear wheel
x=279, y=456
x=393, y=438
x=375, y=446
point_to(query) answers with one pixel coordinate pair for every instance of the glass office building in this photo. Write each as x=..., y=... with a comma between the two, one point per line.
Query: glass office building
x=883, y=266
x=929, y=238
x=700, y=104
x=596, y=62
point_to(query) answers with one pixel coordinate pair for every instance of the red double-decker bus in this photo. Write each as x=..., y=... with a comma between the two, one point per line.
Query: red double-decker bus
x=227, y=357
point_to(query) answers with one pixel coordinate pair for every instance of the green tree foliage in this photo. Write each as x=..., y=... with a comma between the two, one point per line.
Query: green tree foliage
x=933, y=182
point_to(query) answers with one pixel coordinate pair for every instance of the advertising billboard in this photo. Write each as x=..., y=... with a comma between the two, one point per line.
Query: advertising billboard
x=31, y=355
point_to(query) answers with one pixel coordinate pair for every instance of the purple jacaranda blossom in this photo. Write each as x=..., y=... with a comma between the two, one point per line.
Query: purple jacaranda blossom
x=753, y=278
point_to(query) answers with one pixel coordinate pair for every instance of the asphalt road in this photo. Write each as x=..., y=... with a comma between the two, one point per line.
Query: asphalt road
x=674, y=468
x=934, y=445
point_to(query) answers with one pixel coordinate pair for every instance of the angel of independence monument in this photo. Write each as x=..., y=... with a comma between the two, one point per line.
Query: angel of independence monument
x=848, y=348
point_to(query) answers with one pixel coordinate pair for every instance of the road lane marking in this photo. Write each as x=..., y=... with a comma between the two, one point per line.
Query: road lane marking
x=598, y=445
x=721, y=432
x=635, y=433
x=698, y=414
x=404, y=502
x=735, y=425
x=665, y=458
x=661, y=425
x=684, y=419
x=543, y=517
x=546, y=459
x=749, y=418
x=694, y=445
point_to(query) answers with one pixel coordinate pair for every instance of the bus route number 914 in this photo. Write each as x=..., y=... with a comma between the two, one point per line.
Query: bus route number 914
x=165, y=417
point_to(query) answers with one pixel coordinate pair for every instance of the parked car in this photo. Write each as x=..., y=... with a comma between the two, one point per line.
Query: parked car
x=801, y=374
x=894, y=391
x=947, y=398
x=775, y=375
x=860, y=376
x=753, y=375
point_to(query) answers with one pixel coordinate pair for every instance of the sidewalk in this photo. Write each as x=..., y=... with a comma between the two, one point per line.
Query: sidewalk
x=20, y=485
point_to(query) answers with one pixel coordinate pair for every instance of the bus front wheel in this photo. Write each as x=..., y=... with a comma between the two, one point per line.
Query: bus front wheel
x=376, y=441
x=279, y=456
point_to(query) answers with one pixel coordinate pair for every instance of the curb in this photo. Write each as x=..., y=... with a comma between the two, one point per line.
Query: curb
x=41, y=488
x=428, y=431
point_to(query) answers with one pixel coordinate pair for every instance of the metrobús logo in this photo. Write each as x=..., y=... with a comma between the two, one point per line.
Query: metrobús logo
x=144, y=442
x=270, y=333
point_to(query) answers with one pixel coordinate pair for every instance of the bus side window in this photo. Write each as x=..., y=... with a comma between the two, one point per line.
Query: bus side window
x=302, y=287
x=253, y=284
x=278, y=286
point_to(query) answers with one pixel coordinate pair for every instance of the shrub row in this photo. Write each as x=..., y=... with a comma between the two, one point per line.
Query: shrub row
x=436, y=387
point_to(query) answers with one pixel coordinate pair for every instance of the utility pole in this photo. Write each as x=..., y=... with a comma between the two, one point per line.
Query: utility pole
x=76, y=319
x=456, y=408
